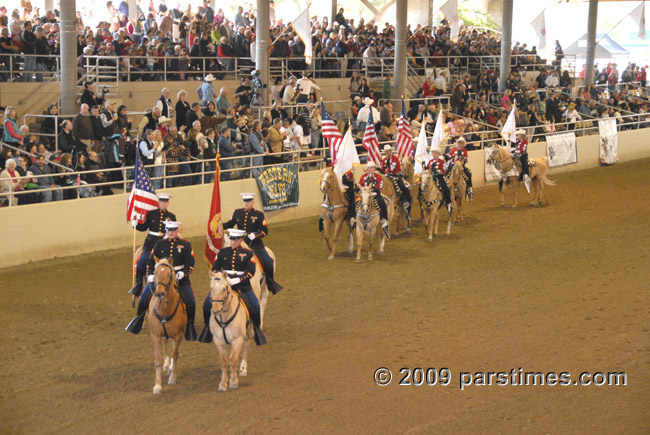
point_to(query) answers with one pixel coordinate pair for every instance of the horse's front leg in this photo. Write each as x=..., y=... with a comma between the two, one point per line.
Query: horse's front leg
x=235, y=349
x=223, y=359
x=158, y=362
x=360, y=231
x=502, y=190
x=326, y=231
x=371, y=240
x=166, y=355
x=350, y=242
x=515, y=186
x=263, y=300
x=337, y=230
x=243, y=366
x=173, y=367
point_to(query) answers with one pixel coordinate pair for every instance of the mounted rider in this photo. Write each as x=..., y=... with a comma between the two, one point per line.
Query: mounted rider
x=180, y=254
x=153, y=223
x=437, y=167
x=348, y=183
x=459, y=153
x=254, y=224
x=371, y=178
x=391, y=167
x=520, y=154
x=238, y=263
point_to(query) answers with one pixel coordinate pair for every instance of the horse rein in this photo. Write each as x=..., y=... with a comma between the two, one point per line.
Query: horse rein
x=167, y=285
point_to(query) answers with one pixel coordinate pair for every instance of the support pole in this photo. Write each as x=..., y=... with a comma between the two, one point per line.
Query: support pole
x=133, y=10
x=506, y=44
x=262, y=47
x=592, y=23
x=400, y=47
x=334, y=10
x=68, y=58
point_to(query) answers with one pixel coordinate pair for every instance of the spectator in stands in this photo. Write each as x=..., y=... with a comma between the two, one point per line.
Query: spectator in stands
x=11, y=133
x=82, y=127
x=149, y=121
x=386, y=114
x=181, y=109
x=304, y=87
x=66, y=179
x=222, y=101
x=95, y=174
x=206, y=91
x=441, y=83
x=69, y=142
x=109, y=119
x=28, y=40
x=226, y=150
x=165, y=104
x=192, y=116
x=123, y=120
x=45, y=180
x=10, y=181
x=89, y=96
x=244, y=91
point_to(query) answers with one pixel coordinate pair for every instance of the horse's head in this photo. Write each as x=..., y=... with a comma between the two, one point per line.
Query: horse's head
x=326, y=179
x=366, y=196
x=163, y=277
x=426, y=181
x=220, y=291
x=497, y=156
x=457, y=172
x=407, y=166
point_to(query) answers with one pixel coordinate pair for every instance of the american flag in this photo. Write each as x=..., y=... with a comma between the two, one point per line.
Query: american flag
x=370, y=142
x=331, y=133
x=404, y=135
x=142, y=197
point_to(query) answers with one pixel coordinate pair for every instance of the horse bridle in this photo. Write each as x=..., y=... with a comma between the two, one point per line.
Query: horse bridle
x=429, y=184
x=167, y=285
x=224, y=302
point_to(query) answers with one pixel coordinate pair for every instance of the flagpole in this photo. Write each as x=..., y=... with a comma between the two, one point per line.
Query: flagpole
x=616, y=25
x=133, y=271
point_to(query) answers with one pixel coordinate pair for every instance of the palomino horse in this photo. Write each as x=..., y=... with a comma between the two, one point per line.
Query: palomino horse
x=229, y=324
x=167, y=321
x=392, y=198
x=431, y=199
x=333, y=211
x=408, y=172
x=368, y=220
x=459, y=187
x=503, y=161
x=258, y=281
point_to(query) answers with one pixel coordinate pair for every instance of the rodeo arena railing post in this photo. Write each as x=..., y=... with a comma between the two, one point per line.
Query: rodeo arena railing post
x=73, y=184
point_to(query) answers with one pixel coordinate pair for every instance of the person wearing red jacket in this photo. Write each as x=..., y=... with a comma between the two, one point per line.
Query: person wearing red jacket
x=460, y=153
x=371, y=178
x=520, y=152
x=391, y=166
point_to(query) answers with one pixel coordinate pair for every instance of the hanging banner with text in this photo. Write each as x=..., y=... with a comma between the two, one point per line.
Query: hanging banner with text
x=561, y=149
x=491, y=173
x=278, y=186
x=608, y=141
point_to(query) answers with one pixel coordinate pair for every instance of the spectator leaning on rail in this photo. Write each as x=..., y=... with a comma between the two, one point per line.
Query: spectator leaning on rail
x=46, y=181
x=11, y=133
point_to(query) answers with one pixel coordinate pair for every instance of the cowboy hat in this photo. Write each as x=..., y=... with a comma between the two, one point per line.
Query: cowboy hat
x=461, y=139
x=163, y=119
x=371, y=164
x=368, y=101
x=388, y=148
x=572, y=105
x=520, y=131
x=436, y=150
x=209, y=78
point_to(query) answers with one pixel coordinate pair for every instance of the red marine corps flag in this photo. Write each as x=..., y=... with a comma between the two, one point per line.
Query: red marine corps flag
x=213, y=240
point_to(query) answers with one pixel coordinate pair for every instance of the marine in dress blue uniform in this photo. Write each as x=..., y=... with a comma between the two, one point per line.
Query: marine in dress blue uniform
x=254, y=225
x=181, y=255
x=153, y=223
x=239, y=264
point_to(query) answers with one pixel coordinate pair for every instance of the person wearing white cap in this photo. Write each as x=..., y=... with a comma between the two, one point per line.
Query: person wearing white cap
x=181, y=255
x=362, y=117
x=437, y=167
x=254, y=224
x=520, y=152
x=206, y=91
x=391, y=166
x=154, y=223
x=460, y=153
x=239, y=264
x=371, y=178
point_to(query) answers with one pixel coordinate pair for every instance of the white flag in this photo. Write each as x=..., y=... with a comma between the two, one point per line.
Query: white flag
x=302, y=26
x=421, y=152
x=638, y=15
x=509, y=130
x=438, y=134
x=346, y=157
x=450, y=9
x=539, y=24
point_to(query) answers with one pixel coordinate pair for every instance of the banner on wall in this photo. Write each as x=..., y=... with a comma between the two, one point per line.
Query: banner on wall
x=608, y=141
x=278, y=186
x=491, y=173
x=561, y=149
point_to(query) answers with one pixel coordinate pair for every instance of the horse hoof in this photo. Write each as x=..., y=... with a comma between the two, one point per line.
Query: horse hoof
x=370, y=259
x=358, y=260
x=157, y=389
x=514, y=206
x=234, y=386
x=408, y=231
x=243, y=372
x=223, y=388
x=540, y=203
x=331, y=257
x=532, y=204
x=430, y=239
x=503, y=206
x=171, y=381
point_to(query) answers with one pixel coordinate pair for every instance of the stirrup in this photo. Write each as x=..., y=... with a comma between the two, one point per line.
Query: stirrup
x=206, y=335
x=135, y=325
x=190, y=332
x=258, y=335
x=136, y=290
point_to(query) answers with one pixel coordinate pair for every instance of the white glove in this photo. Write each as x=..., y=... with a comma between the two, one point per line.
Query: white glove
x=234, y=281
x=180, y=275
x=251, y=236
x=134, y=223
x=150, y=278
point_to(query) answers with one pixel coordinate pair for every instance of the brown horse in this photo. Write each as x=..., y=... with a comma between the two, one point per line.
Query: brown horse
x=368, y=220
x=167, y=321
x=431, y=199
x=230, y=325
x=392, y=199
x=503, y=161
x=459, y=186
x=412, y=183
x=333, y=211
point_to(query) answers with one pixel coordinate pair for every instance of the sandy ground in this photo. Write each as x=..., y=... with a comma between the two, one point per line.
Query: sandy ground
x=561, y=288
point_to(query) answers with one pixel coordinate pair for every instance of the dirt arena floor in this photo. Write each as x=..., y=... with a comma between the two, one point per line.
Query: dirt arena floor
x=561, y=288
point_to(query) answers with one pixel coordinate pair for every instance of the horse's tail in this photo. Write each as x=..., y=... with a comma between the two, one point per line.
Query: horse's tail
x=544, y=179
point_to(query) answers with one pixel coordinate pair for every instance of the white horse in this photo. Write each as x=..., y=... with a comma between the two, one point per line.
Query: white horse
x=230, y=325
